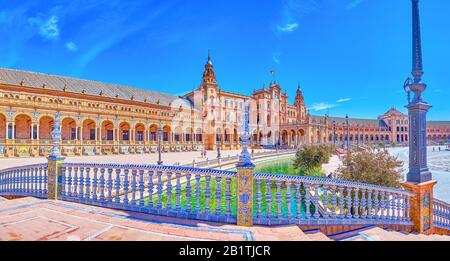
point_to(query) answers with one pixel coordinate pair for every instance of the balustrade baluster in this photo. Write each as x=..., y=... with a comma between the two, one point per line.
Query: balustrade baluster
x=188, y=192
x=228, y=196
x=110, y=184
x=333, y=201
x=45, y=180
x=178, y=192
x=69, y=191
x=408, y=207
x=27, y=180
x=383, y=204
x=207, y=193
x=341, y=201
x=169, y=190
x=258, y=198
x=316, y=201
x=399, y=207
x=269, y=198
x=85, y=182
x=325, y=201
x=278, y=198
x=102, y=185
x=94, y=185
x=75, y=182
x=126, y=183
x=150, y=188
x=369, y=204
x=307, y=200
x=133, y=186
x=13, y=181
x=35, y=184
x=363, y=203
x=349, y=202
x=117, y=186
x=395, y=209
x=141, y=187
x=356, y=203
x=197, y=193
x=389, y=205
x=63, y=182
x=159, y=189
x=376, y=204
x=20, y=181
x=298, y=198
x=288, y=199
x=402, y=207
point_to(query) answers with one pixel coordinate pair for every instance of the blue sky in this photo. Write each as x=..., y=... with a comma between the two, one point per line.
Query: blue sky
x=350, y=56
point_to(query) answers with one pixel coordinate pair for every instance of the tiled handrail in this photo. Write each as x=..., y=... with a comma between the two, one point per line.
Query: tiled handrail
x=441, y=214
x=150, y=189
x=301, y=200
x=28, y=180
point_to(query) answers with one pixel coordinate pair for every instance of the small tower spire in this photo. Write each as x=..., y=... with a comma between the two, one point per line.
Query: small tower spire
x=209, y=57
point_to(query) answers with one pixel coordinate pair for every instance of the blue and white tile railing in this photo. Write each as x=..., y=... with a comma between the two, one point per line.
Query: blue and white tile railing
x=193, y=193
x=163, y=190
x=441, y=214
x=320, y=201
x=28, y=180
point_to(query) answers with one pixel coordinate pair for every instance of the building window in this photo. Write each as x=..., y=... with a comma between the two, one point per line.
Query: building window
x=92, y=134
x=165, y=136
x=139, y=136
x=125, y=135
x=73, y=134
x=109, y=135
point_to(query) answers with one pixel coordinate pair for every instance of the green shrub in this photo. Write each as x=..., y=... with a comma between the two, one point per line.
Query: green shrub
x=374, y=166
x=310, y=157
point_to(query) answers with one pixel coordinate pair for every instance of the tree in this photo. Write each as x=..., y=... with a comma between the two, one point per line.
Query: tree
x=310, y=159
x=373, y=166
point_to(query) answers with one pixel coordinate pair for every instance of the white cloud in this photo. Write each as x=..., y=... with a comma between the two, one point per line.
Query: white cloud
x=48, y=28
x=71, y=46
x=344, y=100
x=322, y=106
x=353, y=4
x=276, y=57
x=288, y=28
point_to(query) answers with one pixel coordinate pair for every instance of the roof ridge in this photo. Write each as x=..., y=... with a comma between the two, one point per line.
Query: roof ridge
x=86, y=86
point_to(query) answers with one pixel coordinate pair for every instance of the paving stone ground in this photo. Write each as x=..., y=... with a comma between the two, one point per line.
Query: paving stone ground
x=33, y=219
x=151, y=158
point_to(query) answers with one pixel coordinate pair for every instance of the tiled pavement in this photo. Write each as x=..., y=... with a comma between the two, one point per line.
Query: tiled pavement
x=168, y=158
x=35, y=219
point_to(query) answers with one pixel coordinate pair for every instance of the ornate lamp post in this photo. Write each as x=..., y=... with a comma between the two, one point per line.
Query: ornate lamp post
x=419, y=179
x=334, y=132
x=159, y=162
x=357, y=135
x=218, y=143
x=417, y=109
x=348, y=132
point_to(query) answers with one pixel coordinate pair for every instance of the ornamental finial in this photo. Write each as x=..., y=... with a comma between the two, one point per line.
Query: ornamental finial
x=56, y=136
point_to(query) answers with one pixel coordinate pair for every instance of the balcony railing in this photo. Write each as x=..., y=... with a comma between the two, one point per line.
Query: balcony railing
x=441, y=214
x=28, y=180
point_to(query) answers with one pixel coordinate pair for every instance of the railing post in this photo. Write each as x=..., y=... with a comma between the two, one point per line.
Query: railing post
x=421, y=202
x=54, y=180
x=245, y=170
